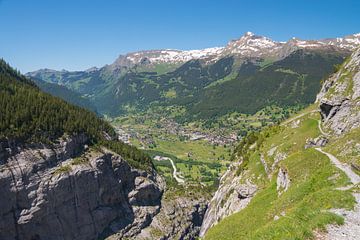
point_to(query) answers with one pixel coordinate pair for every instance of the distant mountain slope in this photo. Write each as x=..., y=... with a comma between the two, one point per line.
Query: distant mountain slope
x=210, y=82
x=290, y=81
x=65, y=93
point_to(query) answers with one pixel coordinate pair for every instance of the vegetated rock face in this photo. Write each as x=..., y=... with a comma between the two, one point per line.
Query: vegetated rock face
x=339, y=97
x=45, y=194
x=179, y=218
x=231, y=197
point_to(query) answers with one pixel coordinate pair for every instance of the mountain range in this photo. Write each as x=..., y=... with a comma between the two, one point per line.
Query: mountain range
x=249, y=45
x=211, y=82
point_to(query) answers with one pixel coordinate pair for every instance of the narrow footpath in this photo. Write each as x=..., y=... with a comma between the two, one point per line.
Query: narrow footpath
x=350, y=230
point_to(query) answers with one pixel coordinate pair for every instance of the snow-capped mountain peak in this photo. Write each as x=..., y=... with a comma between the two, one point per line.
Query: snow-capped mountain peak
x=248, y=45
x=250, y=34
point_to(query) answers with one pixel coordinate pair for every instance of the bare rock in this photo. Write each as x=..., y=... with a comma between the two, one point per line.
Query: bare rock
x=231, y=197
x=339, y=97
x=179, y=218
x=282, y=181
x=316, y=142
x=44, y=196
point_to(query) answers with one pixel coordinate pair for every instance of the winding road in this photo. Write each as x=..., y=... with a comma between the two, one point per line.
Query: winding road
x=175, y=172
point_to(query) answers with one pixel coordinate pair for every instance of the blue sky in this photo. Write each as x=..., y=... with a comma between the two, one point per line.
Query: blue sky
x=78, y=34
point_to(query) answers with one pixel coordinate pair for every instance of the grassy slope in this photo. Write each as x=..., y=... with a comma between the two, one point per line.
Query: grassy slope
x=346, y=147
x=313, y=190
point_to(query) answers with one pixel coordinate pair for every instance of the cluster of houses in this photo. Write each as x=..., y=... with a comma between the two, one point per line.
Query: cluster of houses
x=169, y=126
x=216, y=137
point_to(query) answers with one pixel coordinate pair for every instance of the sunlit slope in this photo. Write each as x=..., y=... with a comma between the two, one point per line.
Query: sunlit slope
x=298, y=207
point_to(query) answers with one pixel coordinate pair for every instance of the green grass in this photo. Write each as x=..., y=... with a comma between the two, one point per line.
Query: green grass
x=62, y=169
x=345, y=79
x=79, y=161
x=292, y=139
x=200, y=150
x=266, y=62
x=304, y=203
x=229, y=77
x=346, y=147
x=193, y=171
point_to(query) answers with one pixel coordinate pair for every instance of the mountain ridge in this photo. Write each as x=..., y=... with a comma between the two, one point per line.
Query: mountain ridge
x=233, y=47
x=246, y=46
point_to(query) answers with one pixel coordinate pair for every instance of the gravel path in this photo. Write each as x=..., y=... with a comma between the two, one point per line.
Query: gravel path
x=321, y=130
x=350, y=230
x=354, y=178
x=297, y=117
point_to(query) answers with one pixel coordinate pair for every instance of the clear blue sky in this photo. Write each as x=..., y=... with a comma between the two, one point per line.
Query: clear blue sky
x=78, y=34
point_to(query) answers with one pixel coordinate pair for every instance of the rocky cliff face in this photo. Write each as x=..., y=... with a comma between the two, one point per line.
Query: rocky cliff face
x=180, y=217
x=231, y=197
x=47, y=194
x=339, y=97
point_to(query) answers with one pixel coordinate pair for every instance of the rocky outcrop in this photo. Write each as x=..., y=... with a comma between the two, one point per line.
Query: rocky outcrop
x=180, y=217
x=339, y=97
x=320, y=141
x=231, y=197
x=282, y=181
x=46, y=193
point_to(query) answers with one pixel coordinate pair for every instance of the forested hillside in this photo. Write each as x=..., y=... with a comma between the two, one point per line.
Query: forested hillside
x=28, y=115
x=66, y=94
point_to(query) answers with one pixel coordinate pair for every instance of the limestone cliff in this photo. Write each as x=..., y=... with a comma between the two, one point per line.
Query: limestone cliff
x=231, y=196
x=46, y=193
x=339, y=97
